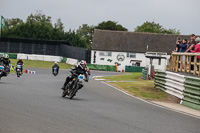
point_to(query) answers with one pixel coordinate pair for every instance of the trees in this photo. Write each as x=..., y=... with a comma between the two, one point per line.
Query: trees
x=86, y=32
x=155, y=28
x=110, y=25
x=37, y=26
x=75, y=39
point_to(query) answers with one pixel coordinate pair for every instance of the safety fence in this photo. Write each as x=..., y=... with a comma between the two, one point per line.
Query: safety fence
x=144, y=74
x=133, y=69
x=184, y=87
x=102, y=67
x=185, y=62
x=41, y=58
x=44, y=47
x=113, y=68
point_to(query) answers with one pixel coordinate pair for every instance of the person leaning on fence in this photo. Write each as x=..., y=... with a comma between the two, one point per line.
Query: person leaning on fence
x=197, y=50
x=192, y=46
x=182, y=48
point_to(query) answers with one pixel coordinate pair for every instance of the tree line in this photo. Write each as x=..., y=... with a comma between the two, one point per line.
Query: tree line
x=39, y=26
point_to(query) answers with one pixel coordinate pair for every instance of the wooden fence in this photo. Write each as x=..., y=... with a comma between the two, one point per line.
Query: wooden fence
x=185, y=62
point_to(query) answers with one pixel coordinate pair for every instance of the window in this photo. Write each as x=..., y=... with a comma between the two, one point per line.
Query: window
x=131, y=55
x=105, y=53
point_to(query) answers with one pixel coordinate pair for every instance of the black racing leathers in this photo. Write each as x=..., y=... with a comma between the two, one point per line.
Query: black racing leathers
x=77, y=70
x=21, y=63
x=55, y=66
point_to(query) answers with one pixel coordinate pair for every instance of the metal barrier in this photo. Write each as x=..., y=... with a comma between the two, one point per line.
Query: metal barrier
x=144, y=74
x=184, y=87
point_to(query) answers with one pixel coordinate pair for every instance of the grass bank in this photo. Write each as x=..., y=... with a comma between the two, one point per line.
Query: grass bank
x=138, y=87
x=40, y=64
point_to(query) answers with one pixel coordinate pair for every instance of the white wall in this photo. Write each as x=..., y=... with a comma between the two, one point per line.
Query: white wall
x=126, y=61
x=39, y=57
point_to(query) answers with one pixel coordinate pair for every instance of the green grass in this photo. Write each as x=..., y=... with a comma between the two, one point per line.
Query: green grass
x=128, y=77
x=40, y=64
x=140, y=88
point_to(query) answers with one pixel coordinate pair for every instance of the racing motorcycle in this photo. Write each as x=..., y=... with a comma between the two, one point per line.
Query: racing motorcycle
x=18, y=70
x=73, y=86
x=1, y=71
x=55, y=73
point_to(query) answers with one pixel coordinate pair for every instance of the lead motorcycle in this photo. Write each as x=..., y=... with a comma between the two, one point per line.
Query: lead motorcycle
x=73, y=86
x=18, y=70
x=4, y=70
x=1, y=71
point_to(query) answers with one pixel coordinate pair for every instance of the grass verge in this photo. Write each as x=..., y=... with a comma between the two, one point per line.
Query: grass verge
x=139, y=87
x=40, y=64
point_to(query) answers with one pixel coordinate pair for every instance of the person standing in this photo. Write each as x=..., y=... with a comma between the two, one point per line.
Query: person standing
x=197, y=50
x=191, y=46
x=182, y=48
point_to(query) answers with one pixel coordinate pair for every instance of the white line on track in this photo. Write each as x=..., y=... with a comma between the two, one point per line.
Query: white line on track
x=151, y=102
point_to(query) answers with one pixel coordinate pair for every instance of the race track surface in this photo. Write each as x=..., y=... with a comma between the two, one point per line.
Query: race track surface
x=33, y=104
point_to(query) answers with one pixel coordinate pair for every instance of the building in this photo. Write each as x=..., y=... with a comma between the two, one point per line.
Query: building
x=130, y=48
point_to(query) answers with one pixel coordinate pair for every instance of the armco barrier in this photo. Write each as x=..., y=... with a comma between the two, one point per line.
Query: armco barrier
x=184, y=87
x=39, y=57
x=144, y=74
x=191, y=92
x=101, y=67
x=72, y=61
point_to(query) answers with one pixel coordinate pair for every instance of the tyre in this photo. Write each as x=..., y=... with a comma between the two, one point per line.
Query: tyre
x=18, y=74
x=72, y=93
x=65, y=91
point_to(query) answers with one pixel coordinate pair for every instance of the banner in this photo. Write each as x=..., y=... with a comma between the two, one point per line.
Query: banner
x=3, y=22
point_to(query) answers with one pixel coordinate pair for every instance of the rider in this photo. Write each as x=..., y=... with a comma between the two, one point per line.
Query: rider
x=21, y=63
x=5, y=61
x=55, y=66
x=79, y=69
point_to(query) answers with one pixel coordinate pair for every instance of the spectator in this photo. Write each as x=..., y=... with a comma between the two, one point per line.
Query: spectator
x=182, y=48
x=197, y=50
x=192, y=46
x=178, y=41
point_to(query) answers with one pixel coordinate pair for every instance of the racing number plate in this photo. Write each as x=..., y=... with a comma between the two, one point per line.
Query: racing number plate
x=81, y=77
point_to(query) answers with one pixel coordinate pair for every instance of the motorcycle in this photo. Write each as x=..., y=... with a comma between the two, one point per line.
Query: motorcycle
x=18, y=70
x=55, y=73
x=1, y=71
x=73, y=86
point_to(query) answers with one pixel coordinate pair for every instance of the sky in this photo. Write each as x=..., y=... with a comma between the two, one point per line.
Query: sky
x=183, y=15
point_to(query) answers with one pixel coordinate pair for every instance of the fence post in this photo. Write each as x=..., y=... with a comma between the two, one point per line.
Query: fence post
x=195, y=64
x=177, y=61
x=181, y=63
x=190, y=58
x=185, y=64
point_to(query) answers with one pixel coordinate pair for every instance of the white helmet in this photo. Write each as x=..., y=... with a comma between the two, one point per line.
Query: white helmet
x=6, y=56
x=56, y=62
x=82, y=64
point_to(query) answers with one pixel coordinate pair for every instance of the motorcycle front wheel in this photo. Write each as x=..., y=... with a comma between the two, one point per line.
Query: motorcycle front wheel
x=72, y=92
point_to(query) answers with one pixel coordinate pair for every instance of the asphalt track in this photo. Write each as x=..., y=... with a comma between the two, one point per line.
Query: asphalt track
x=33, y=104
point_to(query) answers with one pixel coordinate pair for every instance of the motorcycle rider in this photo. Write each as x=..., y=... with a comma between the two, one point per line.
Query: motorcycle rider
x=79, y=69
x=21, y=63
x=6, y=62
x=55, y=66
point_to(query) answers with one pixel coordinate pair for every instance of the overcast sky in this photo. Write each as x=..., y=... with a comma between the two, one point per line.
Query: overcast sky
x=183, y=15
